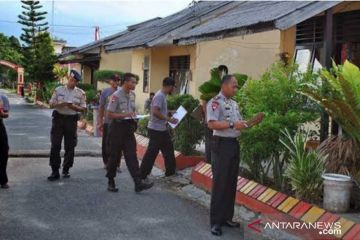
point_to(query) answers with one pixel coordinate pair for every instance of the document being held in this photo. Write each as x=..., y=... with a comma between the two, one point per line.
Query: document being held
x=179, y=115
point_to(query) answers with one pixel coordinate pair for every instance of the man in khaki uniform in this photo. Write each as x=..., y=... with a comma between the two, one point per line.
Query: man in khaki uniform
x=121, y=111
x=68, y=101
x=224, y=118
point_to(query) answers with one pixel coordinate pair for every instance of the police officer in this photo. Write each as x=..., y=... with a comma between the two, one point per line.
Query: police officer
x=4, y=145
x=224, y=118
x=67, y=101
x=121, y=111
x=104, y=121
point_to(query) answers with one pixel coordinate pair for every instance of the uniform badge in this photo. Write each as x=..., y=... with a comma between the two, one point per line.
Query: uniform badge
x=214, y=105
x=114, y=99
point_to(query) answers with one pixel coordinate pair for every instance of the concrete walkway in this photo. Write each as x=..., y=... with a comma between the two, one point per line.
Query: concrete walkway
x=81, y=207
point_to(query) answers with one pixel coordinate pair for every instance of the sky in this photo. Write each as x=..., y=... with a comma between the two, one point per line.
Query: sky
x=74, y=20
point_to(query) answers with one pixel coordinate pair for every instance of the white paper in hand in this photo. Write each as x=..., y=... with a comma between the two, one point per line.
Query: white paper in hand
x=138, y=117
x=179, y=115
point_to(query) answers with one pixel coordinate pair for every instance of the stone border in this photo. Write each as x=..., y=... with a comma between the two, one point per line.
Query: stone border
x=182, y=161
x=278, y=206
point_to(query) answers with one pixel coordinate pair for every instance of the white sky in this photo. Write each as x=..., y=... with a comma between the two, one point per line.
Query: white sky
x=111, y=15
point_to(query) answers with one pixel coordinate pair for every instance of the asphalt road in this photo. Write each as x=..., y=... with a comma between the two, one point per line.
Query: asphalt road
x=81, y=207
x=29, y=129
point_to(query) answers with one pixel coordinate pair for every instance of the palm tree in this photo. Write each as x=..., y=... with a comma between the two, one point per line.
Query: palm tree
x=341, y=99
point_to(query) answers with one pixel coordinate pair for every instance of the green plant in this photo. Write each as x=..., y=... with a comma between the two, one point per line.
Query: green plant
x=211, y=88
x=190, y=131
x=45, y=93
x=341, y=99
x=60, y=72
x=142, y=126
x=305, y=167
x=275, y=94
x=90, y=92
x=102, y=75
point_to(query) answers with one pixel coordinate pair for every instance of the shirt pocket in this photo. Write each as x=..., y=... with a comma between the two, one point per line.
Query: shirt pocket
x=77, y=100
x=124, y=106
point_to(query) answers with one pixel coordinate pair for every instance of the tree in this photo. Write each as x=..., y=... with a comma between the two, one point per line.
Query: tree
x=33, y=29
x=10, y=51
x=46, y=58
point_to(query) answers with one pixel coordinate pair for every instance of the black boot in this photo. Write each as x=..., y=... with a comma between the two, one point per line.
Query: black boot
x=216, y=230
x=65, y=173
x=111, y=185
x=141, y=185
x=55, y=175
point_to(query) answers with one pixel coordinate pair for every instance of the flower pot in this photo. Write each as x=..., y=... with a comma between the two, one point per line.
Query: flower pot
x=337, y=192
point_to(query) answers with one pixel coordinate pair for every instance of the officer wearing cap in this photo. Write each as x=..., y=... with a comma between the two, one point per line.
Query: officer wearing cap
x=224, y=118
x=4, y=145
x=104, y=121
x=68, y=101
x=121, y=111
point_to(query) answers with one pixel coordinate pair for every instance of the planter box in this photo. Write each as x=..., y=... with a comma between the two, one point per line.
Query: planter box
x=182, y=161
x=279, y=207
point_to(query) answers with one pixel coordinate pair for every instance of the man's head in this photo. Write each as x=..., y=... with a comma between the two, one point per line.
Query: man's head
x=114, y=80
x=129, y=81
x=223, y=70
x=73, y=78
x=229, y=85
x=168, y=85
x=152, y=95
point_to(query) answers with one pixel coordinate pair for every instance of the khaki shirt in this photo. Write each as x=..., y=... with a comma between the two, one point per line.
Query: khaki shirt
x=221, y=108
x=122, y=102
x=64, y=94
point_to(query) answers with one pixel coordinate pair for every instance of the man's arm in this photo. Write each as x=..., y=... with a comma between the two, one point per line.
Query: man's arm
x=114, y=115
x=158, y=114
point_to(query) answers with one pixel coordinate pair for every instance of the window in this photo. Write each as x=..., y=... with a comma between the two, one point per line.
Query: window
x=146, y=67
x=180, y=71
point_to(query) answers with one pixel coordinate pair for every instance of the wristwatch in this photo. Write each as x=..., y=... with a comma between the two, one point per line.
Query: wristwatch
x=231, y=125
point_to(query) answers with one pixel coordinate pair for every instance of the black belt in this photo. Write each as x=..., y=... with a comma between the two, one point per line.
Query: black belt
x=58, y=115
x=225, y=139
x=124, y=120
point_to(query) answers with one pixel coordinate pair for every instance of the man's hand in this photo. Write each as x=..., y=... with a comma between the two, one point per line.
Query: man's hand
x=173, y=120
x=240, y=125
x=131, y=114
x=100, y=126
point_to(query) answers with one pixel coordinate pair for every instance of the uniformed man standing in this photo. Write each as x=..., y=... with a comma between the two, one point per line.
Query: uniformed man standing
x=104, y=121
x=67, y=101
x=121, y=111
x=225, y=120
x=4, y=145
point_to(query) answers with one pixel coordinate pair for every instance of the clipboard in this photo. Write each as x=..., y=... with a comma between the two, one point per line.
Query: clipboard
x=179, y=115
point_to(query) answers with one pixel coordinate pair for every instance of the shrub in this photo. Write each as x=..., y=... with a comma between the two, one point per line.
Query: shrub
x=305, y=167
x=47, y=90
x=211, y=88
x=90, y=91
x=142, y=127
x=275, y=94
x=189, y=132
x=102, y=75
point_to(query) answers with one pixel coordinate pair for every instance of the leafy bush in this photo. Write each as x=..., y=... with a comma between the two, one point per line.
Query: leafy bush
x=142, y=126
x=47, y=90
x=211, y=88
x=102, y=75
x=190, y=131
x=305, y=167
x=90, y=91
x=341, y=99
x=275, y=94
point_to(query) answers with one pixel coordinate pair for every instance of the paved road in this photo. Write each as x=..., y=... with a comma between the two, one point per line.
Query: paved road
x=80, y=207
x=29, y=129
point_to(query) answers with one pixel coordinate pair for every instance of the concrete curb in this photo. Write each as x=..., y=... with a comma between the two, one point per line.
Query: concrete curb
x=278, y=206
